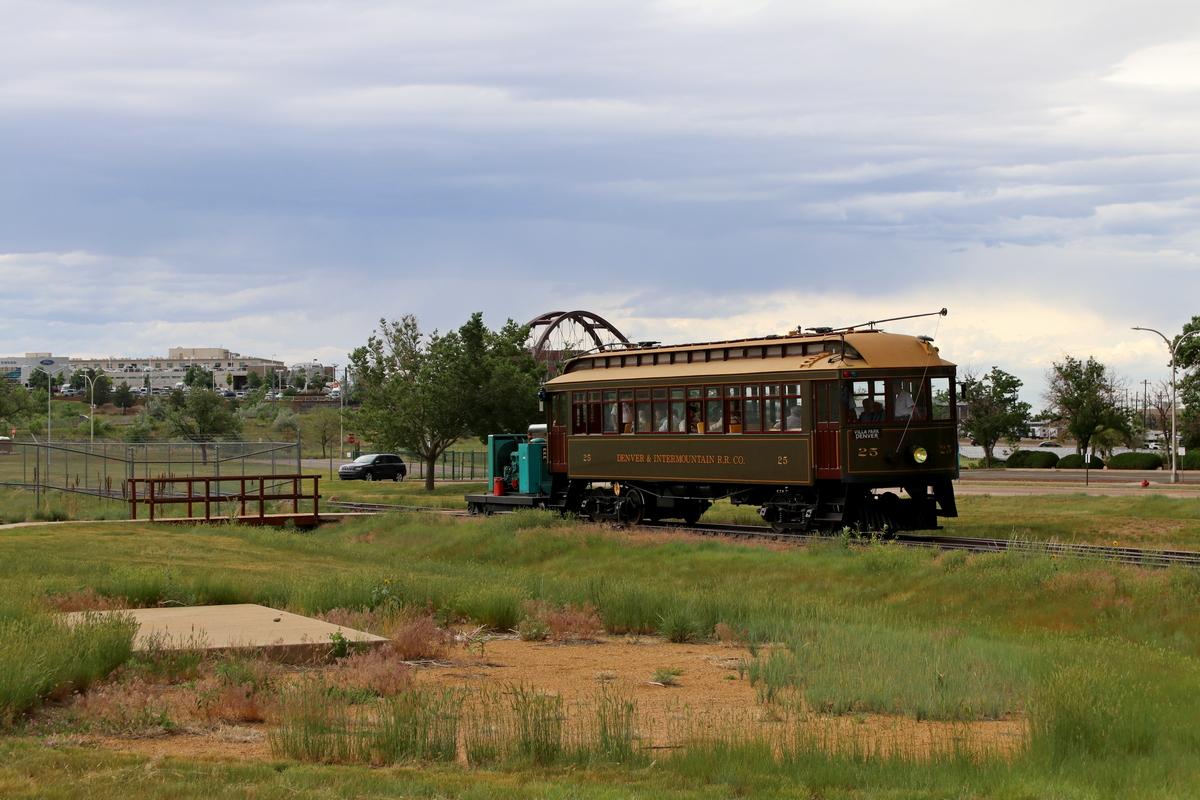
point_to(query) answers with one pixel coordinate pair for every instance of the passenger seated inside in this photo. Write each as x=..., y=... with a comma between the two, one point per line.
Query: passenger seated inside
x=793, y=419
x=904, y=404
x=693, y=418
x=872, y=411
x=715, y=423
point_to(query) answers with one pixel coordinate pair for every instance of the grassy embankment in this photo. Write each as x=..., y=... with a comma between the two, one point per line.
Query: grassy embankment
x=1101, y=660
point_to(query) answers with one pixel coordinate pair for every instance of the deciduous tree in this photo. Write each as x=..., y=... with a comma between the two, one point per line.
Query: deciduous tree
x=103, y=383
x=994, y=410
x=325, y=425
x=203, y=416
x=37, y=379
x=423, y=393
x=198, y=377
x=1083, y=394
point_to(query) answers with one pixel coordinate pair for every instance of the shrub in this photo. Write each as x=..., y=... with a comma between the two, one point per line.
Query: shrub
x=1135, y=461
x=1189, y=460
x=417, y=636
x=1075, y=461
x=1032, y=459
x=378, y=671
x=544, y=620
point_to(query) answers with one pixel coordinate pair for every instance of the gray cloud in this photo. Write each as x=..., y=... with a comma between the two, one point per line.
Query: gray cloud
x=294, y=171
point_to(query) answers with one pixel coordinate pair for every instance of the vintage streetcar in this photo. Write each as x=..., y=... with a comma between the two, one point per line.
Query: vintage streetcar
x=822, y=430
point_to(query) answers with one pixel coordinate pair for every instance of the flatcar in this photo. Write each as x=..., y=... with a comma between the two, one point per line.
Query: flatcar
x=822, y=429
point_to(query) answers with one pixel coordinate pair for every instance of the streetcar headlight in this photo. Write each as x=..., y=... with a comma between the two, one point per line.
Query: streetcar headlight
x=919, y=454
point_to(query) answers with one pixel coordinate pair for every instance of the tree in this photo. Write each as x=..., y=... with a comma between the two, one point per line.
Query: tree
x=123, y=397
x=202, y=417
x=1083, y=394
x=1187, y=358
x=15, y=401
x=326, y=426
x=198, y=377
x=229, y=379
x=86, y=378
x=37, y=379
x=316, y=382
x=994, y=410
x=253, y=380
x=422, y=393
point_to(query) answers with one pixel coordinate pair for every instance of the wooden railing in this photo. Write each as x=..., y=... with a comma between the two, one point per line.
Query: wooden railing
x=157, y=492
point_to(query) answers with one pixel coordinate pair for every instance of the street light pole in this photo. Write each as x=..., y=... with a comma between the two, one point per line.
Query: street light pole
x=1172, y=348
x=91, y=418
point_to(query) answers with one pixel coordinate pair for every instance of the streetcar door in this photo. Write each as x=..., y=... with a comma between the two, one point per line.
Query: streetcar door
x=560, y=412
x=826, y=430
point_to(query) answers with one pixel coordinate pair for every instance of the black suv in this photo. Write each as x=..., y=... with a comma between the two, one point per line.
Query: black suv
x=375, y=467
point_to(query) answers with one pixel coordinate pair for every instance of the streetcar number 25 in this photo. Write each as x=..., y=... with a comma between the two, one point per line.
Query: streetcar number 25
x=868, y=452
x=781, y=460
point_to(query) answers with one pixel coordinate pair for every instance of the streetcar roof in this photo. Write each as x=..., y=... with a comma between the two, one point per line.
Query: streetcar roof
x=865, y=349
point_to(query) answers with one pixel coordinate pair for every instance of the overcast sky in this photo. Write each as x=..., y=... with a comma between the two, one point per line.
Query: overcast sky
x=275, y=177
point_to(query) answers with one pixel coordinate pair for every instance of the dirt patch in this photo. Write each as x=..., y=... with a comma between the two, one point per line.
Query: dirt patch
x=708, y=698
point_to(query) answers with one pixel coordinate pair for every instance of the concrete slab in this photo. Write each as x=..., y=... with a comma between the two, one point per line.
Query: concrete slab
x=245, y=627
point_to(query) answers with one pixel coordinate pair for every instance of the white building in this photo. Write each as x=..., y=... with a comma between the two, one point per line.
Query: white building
x=20, y=368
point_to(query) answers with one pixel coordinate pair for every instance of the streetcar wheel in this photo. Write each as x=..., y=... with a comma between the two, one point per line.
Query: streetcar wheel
x=778, y=527
x=633, y=510
x=692, y=515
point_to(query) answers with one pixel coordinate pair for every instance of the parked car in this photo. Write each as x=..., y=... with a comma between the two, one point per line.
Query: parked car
x=1048, y=444
x=374, y=467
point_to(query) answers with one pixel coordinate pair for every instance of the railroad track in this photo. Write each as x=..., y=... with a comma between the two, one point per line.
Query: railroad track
x=1112, y=554
x=1120, y=555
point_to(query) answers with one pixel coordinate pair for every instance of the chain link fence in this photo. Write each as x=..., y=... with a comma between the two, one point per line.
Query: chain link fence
x=102, y=468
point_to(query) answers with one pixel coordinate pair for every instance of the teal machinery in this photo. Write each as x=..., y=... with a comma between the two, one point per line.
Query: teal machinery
x=518, y=462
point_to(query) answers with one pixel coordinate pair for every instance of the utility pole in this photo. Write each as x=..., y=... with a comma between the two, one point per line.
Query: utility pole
x=1145, y=404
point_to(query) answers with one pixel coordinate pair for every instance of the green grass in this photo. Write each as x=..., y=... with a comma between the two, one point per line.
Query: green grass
x=1104, y=659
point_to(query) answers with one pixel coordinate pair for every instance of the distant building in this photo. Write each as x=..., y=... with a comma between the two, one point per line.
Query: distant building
x=164, y=372
x=20, y=368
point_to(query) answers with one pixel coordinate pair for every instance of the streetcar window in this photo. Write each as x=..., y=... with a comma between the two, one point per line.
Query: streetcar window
x=714, y=410
x=610, y=411
x=754, y=352
x=643, y=411
x=752, y=416
x=579, y=420
x=827, y=402
x=940, y=391
x=736, y=352
x=716, y=355
x=909, y=400
x=867, y=401
x=678, y=412
x=733, y=408
x=625, y=410
x=772, y=406
x=774, y=351
x=796, y=350
x=792, y=404
x=659, y=394
x=695, y=410
x=662, y=358
x=698, y=356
